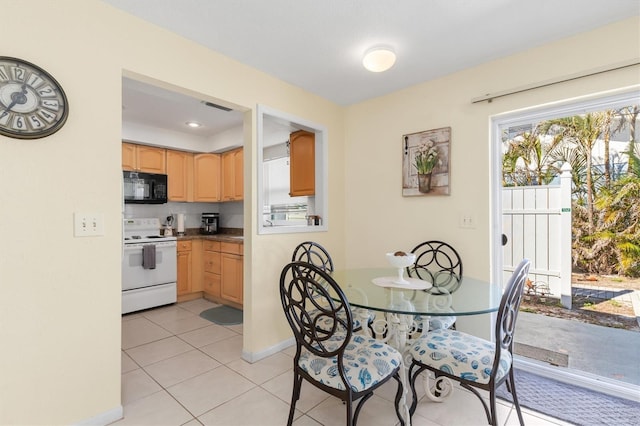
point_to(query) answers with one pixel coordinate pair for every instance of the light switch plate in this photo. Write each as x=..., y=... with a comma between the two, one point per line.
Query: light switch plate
x=467, y=220
x=88, y=224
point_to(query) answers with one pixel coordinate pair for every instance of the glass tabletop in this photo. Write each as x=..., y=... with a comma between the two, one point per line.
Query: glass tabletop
x=473, y=297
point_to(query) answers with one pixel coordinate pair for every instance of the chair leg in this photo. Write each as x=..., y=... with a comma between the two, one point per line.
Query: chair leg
x=295, y=395
x=492, y=398
x=412, y=384
x=511, y=382
x=399, y=393
x=350, y=421
x=359, y=407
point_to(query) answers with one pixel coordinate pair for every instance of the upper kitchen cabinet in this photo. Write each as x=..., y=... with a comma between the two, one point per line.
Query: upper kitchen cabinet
x=303, y=162
x=180, y=175
x=143, y=158
x=206, y=177
x=232, y=175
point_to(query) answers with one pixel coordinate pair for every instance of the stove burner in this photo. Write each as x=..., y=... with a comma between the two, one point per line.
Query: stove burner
x=136, y=237
x=153, y=236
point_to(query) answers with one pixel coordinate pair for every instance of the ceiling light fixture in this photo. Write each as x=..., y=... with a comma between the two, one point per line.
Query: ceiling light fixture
x=379, y=59
x=193, y=124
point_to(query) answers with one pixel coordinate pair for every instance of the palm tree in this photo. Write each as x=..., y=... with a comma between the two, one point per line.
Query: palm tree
x=528, y=161
x=620, y=223
x=581, y=132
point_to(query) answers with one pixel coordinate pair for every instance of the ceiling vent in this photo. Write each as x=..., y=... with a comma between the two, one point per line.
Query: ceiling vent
x=212, y=105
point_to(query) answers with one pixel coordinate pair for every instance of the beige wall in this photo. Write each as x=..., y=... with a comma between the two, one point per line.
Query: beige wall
x=374, y=130
x=60, y=295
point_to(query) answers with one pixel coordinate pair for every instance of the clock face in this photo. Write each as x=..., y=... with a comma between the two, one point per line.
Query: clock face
x=32, y=103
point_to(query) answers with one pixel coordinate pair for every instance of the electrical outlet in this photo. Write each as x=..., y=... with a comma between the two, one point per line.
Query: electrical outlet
x=467, y=220
x=88, y=224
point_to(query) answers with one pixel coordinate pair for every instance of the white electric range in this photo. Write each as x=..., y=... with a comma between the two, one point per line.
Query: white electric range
x=149, y=265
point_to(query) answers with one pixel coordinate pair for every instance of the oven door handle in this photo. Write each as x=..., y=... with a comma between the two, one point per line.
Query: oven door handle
x=138, y=246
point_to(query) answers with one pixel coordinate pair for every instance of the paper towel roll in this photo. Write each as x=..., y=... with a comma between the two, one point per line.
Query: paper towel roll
x=181, y=223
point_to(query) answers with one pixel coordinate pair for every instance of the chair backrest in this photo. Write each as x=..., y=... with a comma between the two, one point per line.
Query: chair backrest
x=438, y=263
x=508, y=311
x=313, y=253
x=310, y=297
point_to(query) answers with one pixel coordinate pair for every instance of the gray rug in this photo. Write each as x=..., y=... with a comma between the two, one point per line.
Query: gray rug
x=223, y=315
x=572, y=404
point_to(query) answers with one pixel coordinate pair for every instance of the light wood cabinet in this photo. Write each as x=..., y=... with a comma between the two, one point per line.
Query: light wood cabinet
x=185, y=273
x=212, y=269
x=206, y=177
x=143, y=158
x=223, y=273
x=232, y=175
x=190, y=273
x=180, y=175
x=231, y=288
x=302, y=159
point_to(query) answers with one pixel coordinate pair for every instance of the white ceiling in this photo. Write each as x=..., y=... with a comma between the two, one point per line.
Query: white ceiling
x=318, y=45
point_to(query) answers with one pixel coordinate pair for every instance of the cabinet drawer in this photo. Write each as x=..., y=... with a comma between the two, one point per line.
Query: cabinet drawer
x=233, y=248
x=184, y=246
x=212, y=245
x=212, y=284
x=212, y=262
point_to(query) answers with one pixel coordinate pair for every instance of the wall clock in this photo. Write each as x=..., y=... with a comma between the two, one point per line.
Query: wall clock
x=32, y=103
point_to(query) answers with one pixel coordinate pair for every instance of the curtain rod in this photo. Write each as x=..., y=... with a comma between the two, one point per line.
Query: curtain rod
x=489, y=97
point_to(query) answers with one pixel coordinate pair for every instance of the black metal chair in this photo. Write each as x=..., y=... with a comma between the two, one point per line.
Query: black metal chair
x=440, y=264
x=313, y=253
x=347, y=365
x=472, y=361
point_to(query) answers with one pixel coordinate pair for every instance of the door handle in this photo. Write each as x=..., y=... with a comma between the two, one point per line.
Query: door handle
x=504, y=240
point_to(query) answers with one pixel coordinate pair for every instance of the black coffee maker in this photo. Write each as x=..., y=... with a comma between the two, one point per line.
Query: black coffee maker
x=209, y=223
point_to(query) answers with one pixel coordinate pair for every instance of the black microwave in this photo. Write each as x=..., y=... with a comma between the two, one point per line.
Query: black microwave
x=144, y=188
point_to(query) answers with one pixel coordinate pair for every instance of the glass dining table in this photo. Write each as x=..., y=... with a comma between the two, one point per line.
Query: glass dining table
x=398, y=313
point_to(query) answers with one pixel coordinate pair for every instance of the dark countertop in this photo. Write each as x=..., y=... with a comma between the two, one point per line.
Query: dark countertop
x=229, y=235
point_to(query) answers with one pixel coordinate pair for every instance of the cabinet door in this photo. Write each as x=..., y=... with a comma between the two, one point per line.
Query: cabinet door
x=197, y=265
x=180, y=175
x=184, y=272
x=238, y=160
x=151, y=160
x=128, y=156
x=231, y=285
x=228, y=176
x=206, y=177
x=303, y=163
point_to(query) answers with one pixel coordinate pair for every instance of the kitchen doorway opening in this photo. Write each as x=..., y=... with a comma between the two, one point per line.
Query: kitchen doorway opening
x=580, y=351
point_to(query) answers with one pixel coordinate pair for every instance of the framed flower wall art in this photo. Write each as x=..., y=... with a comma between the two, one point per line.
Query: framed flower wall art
x=426, y=162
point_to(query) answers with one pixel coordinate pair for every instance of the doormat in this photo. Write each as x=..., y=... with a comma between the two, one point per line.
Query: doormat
x=554, y=358
x=573, y=404
x=223, y=315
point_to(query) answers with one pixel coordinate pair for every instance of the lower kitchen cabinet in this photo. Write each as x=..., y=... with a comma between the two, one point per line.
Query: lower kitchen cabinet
x=223, y=263
x=212, y=278
x=231, y=286
x=185, y=273
x=189, y=263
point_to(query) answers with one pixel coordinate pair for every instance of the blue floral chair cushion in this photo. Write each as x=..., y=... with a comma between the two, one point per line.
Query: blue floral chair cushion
x=460, y=354
x=437, y=322
x=367, y=361
x=327, y=323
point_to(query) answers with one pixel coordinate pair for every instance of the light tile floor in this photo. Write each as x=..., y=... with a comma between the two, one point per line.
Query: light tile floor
x=180, y=369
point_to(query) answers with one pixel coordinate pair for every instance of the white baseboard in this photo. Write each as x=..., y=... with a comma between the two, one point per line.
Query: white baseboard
x=580, y=378
x=102, y=419
x=257, y=356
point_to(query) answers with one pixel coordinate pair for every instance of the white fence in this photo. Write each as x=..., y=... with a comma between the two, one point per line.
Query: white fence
x=537, y=223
